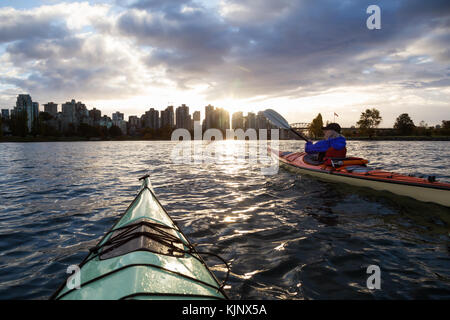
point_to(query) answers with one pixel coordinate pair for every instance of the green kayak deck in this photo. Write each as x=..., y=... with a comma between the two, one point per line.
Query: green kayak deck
x=144, y=256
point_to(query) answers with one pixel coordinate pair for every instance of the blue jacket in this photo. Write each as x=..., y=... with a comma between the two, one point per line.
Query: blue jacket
x=323, y=145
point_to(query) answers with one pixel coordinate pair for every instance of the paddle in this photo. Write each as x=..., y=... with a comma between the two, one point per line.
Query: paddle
x=281, y=122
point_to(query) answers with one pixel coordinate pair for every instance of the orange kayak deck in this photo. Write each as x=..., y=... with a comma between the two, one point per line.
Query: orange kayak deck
x=418, y=188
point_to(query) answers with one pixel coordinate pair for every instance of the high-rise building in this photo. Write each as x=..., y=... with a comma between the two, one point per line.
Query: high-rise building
x=196, y=116
x=167, y=118
x=4, y=127
x=183, y=118
x=209, y=117
x=5, y=114
x=35, y=111
x=105, y=121
x=118, y=121
x=68, y=113
x=223, y=119
x=151, y=119
x=250, y=121
x=24, y=103
x=95, y=115
x=261, y=121
x=238, y=120
x=82, y=113
x=217, y=118
x=134, y=121
x=122, y=124
x=154, y=118
x=74, y=113
x=117, y=116
x=134, y=124
x=51, y=108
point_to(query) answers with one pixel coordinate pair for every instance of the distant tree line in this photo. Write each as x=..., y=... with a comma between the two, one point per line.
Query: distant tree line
x=403, y=126
x=370, y=119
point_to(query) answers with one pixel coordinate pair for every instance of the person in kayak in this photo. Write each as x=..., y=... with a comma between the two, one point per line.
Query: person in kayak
x=332, y=147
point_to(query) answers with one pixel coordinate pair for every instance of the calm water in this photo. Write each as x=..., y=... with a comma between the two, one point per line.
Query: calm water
x=285, y=236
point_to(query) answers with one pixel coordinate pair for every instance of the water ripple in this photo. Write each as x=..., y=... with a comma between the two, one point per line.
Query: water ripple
x=285, y=236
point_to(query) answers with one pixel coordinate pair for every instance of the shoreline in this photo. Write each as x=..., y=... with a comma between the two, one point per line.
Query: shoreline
x=401, y=138
x=80, y=139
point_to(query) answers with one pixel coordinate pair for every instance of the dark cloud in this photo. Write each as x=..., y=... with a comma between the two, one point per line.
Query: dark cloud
x=281, y=47
x=16, y=25
x=195, y=31
x=51, y=59
x=188, y=42
x=42, y=49
x=72, y=66
x=240, y=49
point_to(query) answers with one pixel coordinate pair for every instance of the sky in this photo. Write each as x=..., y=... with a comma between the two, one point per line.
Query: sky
x=297, y=57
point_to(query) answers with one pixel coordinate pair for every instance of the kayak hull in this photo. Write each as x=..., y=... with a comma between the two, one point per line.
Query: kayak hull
x=423, y=191
x=150, y=271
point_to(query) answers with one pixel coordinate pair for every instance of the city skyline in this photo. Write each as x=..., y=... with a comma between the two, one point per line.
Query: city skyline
x=76, y=120
x=235, y=54
x=73, y=115
x=58, y=108
x=196, y=113
x=153, y=118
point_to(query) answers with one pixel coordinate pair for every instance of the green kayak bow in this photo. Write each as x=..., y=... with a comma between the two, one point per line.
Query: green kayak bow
x=144, y=256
